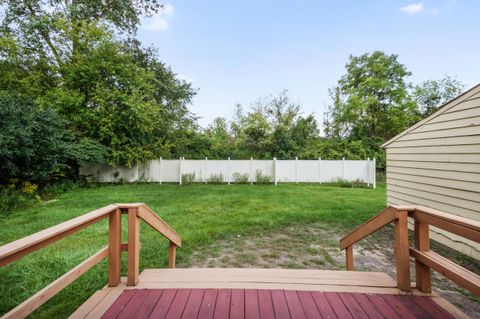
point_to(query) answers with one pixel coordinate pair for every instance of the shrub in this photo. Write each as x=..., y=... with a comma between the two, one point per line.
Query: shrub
x=240, y=178
x=215, y=179
x=263, y=179
x=188, y=178
x=348, y=184
x=17, y=194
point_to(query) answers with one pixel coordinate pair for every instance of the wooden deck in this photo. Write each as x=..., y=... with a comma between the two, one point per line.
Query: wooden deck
x=263, y=293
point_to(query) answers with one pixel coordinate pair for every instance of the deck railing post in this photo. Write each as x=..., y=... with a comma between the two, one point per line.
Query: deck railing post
x=133, y=247
x=114, y=248
x=172, y=251
x=422, y=272
x=402, y=250
x=349, y=256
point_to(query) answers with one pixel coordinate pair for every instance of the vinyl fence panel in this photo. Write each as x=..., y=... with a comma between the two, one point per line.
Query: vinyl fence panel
x=205, y=170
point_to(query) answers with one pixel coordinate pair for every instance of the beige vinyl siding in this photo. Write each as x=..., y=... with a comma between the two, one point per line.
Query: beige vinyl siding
x=437, y=164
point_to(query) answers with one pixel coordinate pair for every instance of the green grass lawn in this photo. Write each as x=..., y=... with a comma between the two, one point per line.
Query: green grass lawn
x=201, y=214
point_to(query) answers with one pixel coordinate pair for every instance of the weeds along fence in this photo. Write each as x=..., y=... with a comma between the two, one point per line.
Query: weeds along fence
x=228, y=171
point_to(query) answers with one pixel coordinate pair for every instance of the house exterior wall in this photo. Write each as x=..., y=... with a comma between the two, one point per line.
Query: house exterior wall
x=437, y=164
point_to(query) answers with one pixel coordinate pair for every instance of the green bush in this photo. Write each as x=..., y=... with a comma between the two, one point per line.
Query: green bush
x=12, y=197
x=215, y=179
x=240, y=178
x=36, y=146
x=188, y=178
x=340, y=182
x=262, y=179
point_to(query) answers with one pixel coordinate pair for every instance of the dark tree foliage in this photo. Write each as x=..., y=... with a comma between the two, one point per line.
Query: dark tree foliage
x=34, y=145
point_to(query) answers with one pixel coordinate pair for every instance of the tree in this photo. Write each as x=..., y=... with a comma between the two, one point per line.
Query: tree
x=371, y=100
x=66, y=55
x=432, y=94
x=34, y=145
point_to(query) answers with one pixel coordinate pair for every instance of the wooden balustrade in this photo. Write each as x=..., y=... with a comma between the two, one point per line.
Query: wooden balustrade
x=136, y=212
x=425, y=260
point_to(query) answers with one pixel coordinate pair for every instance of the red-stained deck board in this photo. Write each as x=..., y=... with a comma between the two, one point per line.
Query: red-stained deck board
x=237, y=304
x=252, y=309
x=149, y=303
x=178, y=304
x=207, y=307
x=192, y=307
x=163, y=304
x=294, y=305
x=280, y=304
x=308, y=304
x=133, y=304
x=222, y=308
x=267, y=304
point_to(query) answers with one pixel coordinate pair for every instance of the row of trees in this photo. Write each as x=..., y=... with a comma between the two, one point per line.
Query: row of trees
x=372, y=102
x=77, y=87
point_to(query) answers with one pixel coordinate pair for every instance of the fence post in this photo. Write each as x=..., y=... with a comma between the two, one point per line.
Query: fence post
x=319, y=170
x=251, y=170
x=343, y=168
x=275, y=170
x=296, y=169
x=374, y=173
x=228, y=171
x=205, y=170
x=368, y=171
x=180, y=172
x=160, y=171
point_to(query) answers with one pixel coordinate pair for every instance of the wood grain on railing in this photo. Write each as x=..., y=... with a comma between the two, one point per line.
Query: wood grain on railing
x=148, y=216
x=378, y=221
x=133, y=247
x=449, y=269
x=423, y=276
x=22, y=247
x=401, y=250
x=114, y=248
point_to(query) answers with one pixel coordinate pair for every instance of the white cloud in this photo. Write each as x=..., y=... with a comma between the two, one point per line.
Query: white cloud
x=160, y=21
x=412, y=8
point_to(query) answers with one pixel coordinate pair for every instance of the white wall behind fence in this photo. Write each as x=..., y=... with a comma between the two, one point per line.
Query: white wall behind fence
x=280, y=171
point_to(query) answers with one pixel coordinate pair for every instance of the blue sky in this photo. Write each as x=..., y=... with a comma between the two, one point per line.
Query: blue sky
x=238, y=51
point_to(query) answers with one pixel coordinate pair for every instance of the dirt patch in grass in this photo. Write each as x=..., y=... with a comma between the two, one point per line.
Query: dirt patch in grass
x=316, y=246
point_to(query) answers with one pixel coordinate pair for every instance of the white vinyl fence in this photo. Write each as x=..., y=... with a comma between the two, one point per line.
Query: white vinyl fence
x=228, y=171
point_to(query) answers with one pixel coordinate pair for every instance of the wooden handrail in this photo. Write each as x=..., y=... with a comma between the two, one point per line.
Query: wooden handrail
x=378, y=221
x=425, y=260
x=27, y=245
x=136, y=211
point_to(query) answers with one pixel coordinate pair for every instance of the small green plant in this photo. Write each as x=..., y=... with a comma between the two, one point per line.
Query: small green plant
x=349, y=184
x=188, y=178
x=215, y=179
x=240, y=178
x=117, y=179
x=263, y=179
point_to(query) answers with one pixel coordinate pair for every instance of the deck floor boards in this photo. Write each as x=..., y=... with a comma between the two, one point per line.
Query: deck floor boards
x=262, y=294
x=253, y=303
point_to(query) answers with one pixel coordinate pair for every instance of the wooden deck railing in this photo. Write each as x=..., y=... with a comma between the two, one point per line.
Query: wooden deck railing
x=136, y=211
x=425, y=259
